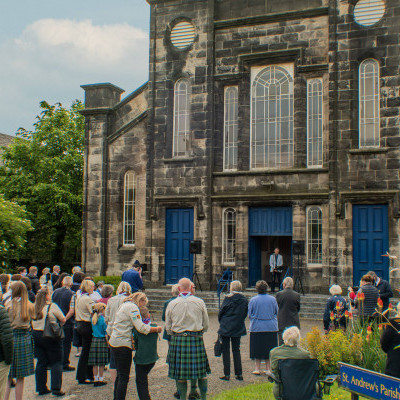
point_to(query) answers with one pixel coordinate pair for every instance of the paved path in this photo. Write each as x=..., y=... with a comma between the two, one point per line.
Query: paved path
x=161, y=387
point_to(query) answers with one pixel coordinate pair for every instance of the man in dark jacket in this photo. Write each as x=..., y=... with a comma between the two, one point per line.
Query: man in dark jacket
x=34, y=279
x=62, y=297
x=289, y=306
x=385, y=291
x=231, y=318
x=6, y=349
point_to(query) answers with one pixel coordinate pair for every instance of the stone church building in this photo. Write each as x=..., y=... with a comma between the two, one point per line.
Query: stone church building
x=264, y=123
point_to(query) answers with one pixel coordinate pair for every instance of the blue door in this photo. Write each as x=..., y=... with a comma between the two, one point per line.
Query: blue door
x=265, y=221
x=370, y=240
x=178, y=234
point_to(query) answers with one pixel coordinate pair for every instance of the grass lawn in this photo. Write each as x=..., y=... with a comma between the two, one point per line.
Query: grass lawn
x=263, y=391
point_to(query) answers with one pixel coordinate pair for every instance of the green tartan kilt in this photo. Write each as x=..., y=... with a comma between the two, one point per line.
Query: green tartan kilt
x=99, y=353
x=187, y=357
x=22, y=363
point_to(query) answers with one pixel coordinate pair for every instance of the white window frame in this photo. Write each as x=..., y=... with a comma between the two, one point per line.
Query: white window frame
x=230, y=128
x=308, y=244
x=363, y=120
x=181, y=107
x=276, y=157
x=232, y=259
x=129, y=200
x=315, y=88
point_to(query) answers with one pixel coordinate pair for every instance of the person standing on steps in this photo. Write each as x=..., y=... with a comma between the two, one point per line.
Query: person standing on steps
x=275, y=267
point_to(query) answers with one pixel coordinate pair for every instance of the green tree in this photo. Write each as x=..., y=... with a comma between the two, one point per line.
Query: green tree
x=43, y=171
x=13, y=229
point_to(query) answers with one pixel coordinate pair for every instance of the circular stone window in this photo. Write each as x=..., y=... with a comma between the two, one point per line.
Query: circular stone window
x=369, y=12
x=183, y=34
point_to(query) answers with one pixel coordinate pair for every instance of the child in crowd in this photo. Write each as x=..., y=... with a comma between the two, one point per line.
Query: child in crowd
x=99, y=355
x=145, y=356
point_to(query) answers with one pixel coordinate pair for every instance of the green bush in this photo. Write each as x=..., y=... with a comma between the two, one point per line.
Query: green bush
x=109, y=280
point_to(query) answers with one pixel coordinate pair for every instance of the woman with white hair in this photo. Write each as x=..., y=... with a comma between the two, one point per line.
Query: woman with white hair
x=289, y=349
x=336, y=306
x=231, y=318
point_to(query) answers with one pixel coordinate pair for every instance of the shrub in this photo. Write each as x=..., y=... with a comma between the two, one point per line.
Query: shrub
x=109, y=280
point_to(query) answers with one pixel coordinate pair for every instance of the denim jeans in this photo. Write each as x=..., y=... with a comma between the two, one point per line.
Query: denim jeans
x=226, y=355
x=123, y=362
x=49, y=353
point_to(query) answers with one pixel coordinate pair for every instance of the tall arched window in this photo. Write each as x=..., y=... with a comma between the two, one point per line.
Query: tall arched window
x=369, y=103
x=272, y=119
x=314, y=123
x=230, y=128
x=129, y=208
x=181, y=141
x=229, y=236
x=314, y=235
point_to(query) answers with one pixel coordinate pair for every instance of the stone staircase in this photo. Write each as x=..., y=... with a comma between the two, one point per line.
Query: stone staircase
x=312, y=305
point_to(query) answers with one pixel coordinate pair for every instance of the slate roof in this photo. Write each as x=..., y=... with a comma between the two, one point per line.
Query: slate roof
x=5, y=140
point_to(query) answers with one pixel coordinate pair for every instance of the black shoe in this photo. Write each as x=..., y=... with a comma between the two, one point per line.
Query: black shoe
x=176, y=395
x=239, y=377
x=100, y=383
x=224, y=378
x=47, y=391
x=69, y=368
x=58, y=393
x=12, y=383
x=85, y=382
x=194, y=396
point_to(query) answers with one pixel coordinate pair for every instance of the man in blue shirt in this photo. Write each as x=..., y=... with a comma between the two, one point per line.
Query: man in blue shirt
x=134, y=276
x=275, y=265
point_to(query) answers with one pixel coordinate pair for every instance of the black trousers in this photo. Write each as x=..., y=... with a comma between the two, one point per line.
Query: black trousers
x=84, y=371
x=67, y=343
x=142, y=380
x=123, y=362
x=226, y=355
x=276, y=280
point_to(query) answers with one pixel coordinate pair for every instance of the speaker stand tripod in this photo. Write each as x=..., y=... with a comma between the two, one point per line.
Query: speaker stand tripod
x=195, y=276
x=297, y=282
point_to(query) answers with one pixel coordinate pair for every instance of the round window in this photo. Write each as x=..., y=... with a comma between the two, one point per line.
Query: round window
x=182, y=35
x=369, y=12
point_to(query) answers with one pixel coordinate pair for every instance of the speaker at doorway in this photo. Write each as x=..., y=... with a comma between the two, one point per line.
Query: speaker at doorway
x=298, y=247
x=195, y=247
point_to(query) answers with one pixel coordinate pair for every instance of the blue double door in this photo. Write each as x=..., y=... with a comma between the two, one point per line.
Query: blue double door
x=370, y=240
x=178, y=234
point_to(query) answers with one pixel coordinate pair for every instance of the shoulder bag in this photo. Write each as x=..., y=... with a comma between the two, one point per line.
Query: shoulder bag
x=52, y=329
x=218, y=347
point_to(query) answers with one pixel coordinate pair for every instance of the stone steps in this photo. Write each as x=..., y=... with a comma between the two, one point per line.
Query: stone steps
x=312, y=305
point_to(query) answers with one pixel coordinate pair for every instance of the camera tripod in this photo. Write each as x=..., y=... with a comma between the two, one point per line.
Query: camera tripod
x=195, y=276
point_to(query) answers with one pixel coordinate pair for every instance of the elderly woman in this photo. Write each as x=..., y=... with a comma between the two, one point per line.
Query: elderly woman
x=106, y=294
x=231, y=318
x=289, y=349
x=390, y=343
x=262, y=312
x=337, y=305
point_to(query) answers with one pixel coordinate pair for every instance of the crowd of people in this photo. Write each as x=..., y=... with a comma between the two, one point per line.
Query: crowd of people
x=43, y=317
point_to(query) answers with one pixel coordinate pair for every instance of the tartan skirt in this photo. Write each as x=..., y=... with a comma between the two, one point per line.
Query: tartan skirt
x=187, y=357
x=99, y=353
x=22, y=363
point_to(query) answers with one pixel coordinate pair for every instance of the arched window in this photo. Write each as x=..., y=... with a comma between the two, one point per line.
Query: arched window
x=314, y=123
x=314, y=235
x=272, y=119
x=129, y=208
x=230, y=128
x=369, y=103
x=181, y=141
x=229, y=236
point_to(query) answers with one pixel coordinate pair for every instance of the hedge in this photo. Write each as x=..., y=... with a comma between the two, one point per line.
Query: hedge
x=109, y=280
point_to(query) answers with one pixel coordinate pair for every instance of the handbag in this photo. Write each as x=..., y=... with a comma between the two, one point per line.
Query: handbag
x=52, y=329
x=218, y=347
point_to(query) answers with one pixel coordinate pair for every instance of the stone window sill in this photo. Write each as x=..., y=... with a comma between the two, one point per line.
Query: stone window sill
x=369, y=150
x=178, y=160
x=127, y=248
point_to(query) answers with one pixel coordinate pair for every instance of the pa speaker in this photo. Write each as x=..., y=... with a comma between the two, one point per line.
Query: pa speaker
x=195, y=247
x=298, y=247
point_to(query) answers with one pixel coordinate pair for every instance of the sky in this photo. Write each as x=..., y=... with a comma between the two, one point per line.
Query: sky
x=49, y=48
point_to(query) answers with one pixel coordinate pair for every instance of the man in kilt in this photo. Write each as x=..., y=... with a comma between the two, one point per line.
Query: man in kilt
x=186, y=319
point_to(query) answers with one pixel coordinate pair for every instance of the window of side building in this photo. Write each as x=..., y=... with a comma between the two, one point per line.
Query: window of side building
x=181, y=129
x=272, y=117
x=129, y=209
x=230, y=127
x=314, y=235
x=228, y=236
x=314, y=123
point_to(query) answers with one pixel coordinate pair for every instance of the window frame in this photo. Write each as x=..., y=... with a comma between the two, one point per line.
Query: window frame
x=320, y=116
x=129, y=178
x=225, y=212
x=376, y=104
x=176, y=131
x=230, y=123
x=308, y=210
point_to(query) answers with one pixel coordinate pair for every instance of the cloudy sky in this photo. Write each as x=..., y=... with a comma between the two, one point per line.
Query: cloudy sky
x=48, y=48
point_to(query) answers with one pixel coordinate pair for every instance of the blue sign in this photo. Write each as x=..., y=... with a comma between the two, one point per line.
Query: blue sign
x=368, y=383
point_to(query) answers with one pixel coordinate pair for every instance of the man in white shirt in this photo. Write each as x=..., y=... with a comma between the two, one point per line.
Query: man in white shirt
x=275, y=267
x=186, y=319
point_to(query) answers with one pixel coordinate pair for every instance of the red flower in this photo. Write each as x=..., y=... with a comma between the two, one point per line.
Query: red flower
x=367, y=338
x=369, y=329
x=361, y=296
x=390, y=307
x=338, y=305
x=350, y=315
x=380, y=327
x=380, y=303
x=346, y=314
x=332, y=316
